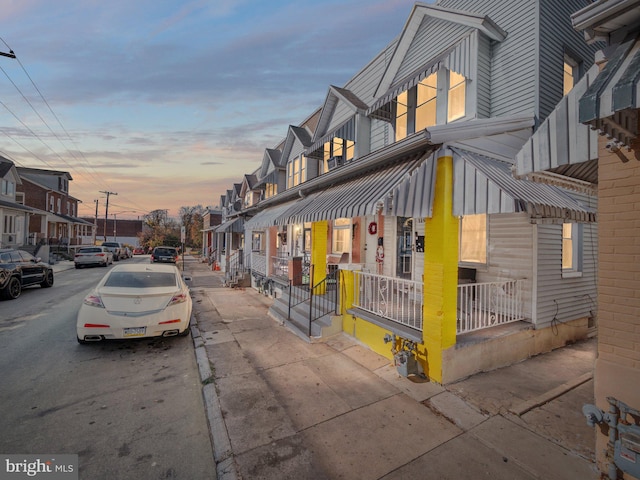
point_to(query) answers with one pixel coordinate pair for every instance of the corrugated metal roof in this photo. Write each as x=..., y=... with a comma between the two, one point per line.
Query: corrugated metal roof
x=236, y=226
x=360, y=196
x=486, y=185
x=267, y=217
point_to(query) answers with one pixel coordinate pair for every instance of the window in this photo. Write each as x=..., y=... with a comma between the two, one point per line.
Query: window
x=9, y=224
x=402, y=115
x=8, y=188
x=297, y=171
x=340, y=150
x=456, y=96
x=271, y=189
x=571, y=248
x=341, y=235
x=473, y=239
x=51, y=203
x=256, y=242
x=426, y=92
x=570, y=74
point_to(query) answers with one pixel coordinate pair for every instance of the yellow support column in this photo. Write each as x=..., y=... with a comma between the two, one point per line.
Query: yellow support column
x=440, y=271
x=319, y=232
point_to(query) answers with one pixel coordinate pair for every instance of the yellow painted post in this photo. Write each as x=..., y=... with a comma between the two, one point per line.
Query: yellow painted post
x=440, y=271
x=319, y=231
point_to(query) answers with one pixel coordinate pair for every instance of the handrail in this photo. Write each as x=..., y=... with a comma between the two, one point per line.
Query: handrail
x=322, y=296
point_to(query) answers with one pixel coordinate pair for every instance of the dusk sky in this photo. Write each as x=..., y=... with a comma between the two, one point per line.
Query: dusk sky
x=168, y=103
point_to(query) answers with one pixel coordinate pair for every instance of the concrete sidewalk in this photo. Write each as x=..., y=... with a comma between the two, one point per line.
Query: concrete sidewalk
x=282, y=408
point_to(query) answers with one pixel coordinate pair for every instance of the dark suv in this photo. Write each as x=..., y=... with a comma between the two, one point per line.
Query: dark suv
x=20, y=269
x=164, y=255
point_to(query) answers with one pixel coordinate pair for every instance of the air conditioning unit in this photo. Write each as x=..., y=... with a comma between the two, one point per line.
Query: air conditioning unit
x=335, y=162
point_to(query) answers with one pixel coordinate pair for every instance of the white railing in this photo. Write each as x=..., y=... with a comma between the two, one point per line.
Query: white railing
x=395, y=299
x=483, y=305
x=280, y=267
x=259, y=263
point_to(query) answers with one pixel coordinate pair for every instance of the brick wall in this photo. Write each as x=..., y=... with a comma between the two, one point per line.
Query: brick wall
x=619, y=256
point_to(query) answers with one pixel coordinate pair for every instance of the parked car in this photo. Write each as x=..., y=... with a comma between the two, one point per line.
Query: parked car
x=136, y=300
x=19, y=269
x=93, y=256
x=116, y=248
x=164, y=255
x=138, y=251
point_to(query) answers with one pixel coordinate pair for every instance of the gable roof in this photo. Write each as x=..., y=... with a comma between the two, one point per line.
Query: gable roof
x=294, y=133
x=420, y=10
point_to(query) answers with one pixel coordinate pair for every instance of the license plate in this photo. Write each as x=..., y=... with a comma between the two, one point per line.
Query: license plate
x=135, y=331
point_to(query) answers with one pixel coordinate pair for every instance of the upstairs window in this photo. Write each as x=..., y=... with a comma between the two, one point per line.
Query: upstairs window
x=297, y=171
x=402, y=115
x=570, y=74
x=418, y=108
x=8, y=188
x=336, y=152
x=456, y=96
x=271, y=190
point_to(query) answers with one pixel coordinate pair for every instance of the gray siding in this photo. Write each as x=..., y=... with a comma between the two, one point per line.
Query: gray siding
x=510, y=240
x=514, y=65
x=557, y=37
x=563, y=299
x=483, y=83
x=433, y=37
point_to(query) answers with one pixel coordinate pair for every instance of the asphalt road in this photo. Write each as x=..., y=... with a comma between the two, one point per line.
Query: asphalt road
x=129, y=409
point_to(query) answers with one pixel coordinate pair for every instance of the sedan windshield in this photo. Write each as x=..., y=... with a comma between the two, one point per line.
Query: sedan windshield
x=141, y=279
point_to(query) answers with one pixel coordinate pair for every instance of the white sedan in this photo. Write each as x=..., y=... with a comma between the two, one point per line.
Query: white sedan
x=93, y=256
x=136, y=300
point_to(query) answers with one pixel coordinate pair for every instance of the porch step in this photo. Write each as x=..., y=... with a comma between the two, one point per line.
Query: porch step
x=323, y=327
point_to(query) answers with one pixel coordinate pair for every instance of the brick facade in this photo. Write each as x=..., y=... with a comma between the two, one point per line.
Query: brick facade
x=617, y=369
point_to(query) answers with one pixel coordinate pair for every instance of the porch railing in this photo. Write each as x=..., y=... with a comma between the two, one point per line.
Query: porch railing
x=259, y=263
x=322, y=297
x=395, y=299
x=238, y=265
x=280, y=266
x=479, y=305
x=483, y=305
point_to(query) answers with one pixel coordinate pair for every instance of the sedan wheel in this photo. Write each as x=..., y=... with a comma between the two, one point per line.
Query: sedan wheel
x=48, y=279
x=13, y=289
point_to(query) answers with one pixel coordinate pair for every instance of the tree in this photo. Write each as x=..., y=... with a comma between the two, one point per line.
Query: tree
x=159, y=229
x=191, y=219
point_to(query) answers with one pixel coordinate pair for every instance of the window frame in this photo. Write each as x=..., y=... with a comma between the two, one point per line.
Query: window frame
x=461, y=241
x=575, y=238
x=341, y=227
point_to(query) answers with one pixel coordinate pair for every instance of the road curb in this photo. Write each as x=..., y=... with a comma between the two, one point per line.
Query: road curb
x=222, y=452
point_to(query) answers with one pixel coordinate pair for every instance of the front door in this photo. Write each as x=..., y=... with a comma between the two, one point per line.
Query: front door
x=404, y=247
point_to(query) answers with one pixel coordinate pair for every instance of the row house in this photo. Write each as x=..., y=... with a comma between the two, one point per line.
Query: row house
x=14, y=215
x=606, y=104
x=56, y=221
x=392, y=213
x=211, y=219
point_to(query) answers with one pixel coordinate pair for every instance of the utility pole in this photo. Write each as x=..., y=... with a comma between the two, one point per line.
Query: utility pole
x=106, y=212
x=95, y=222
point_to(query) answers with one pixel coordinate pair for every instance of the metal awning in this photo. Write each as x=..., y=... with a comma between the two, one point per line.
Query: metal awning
x=364, y=195
x=345, y=130
x=235, y=225
x=267, y=217
x=486, y=185
x=456, y=58
x=615, y=94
